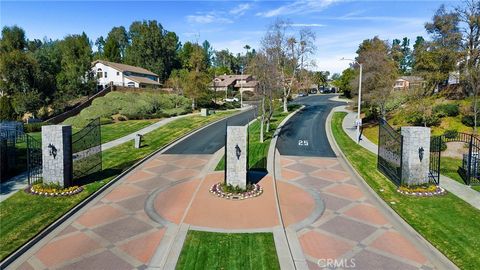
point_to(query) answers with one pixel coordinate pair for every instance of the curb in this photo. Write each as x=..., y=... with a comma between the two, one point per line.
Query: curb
x=52, y=226
x=433, y=254
x=283, y=241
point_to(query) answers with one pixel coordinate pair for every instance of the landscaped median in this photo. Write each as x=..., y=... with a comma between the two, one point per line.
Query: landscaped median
x=208, y=250
x=447, y=222
x=258, y=151
x=22, y=215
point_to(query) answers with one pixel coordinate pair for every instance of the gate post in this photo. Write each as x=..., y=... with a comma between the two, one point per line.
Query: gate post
x=57, y=154
x=415, y=155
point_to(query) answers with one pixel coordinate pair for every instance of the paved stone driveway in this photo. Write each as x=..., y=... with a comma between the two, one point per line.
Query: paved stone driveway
x=116, y=233
x=351, y=225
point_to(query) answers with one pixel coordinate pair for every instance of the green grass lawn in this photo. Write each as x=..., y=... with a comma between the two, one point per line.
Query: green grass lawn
x=449, y=167
x=258, y=152
x=371, y=133
x=208, y=250
x=449, y=223
x=23, y=215
x=117, y=130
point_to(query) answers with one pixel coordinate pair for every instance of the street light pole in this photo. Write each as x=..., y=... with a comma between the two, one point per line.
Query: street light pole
x=241, y=90
x=359, y=119
x=358, y=122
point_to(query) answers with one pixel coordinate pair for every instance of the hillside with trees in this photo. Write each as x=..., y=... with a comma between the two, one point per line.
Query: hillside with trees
x=42, y=78
x=447, y=62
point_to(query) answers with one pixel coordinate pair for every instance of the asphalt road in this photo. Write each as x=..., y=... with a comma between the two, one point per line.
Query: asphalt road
x=209, y=140
x=304, y=134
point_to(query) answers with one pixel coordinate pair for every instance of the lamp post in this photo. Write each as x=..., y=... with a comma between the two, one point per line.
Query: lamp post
x=241, y=90
x=358, y=122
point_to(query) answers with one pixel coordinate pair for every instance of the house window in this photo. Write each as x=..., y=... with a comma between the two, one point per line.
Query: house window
x=118, y=73
x=99, y=73
x=105, y=74
x=131, y=84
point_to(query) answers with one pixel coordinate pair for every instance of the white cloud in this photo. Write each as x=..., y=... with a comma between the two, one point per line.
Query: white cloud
x=240, y=9
x=308, y=25
x=298, y=7
x=207, y=18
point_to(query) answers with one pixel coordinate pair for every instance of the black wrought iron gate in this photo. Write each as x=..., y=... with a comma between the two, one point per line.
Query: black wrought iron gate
x=390, y=143
x=435, y=159
x=34, y=159
x=87, y=151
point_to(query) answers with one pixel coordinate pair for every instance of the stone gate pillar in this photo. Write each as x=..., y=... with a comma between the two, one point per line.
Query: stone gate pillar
x=57, y=154
x=236, y=156
x=415, y=155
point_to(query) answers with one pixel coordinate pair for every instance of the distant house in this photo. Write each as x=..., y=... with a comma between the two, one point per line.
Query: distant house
x=407, y=82
x=454, y=78
x=123, y=75
x=234, y=83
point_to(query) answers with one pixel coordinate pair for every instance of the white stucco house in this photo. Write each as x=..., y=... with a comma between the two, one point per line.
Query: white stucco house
x=241, y=83
x=123, y=75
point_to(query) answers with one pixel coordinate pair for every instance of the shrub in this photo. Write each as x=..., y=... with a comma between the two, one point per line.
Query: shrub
x=443, y=145
x=450, y=134
x=33, y=127
x=371, y=115
x=443, y=110
x=468, y=120
x=417, y=119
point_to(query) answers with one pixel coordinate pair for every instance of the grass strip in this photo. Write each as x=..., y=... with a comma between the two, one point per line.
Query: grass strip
x=258, y=151
x=209, y=250
x=447, y=222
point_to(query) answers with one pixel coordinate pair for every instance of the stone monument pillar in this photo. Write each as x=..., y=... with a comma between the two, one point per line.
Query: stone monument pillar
x=415, y=155
x=57, y=154
x=236, y=156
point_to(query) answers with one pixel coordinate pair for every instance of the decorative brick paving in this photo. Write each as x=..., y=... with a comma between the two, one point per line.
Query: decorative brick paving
x=351, y=227
x=116, y=233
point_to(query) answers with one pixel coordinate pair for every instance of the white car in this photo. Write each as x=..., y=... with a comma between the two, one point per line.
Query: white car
x=231, y=99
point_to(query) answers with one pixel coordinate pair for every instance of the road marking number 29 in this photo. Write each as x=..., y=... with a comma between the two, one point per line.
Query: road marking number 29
x=302, y=143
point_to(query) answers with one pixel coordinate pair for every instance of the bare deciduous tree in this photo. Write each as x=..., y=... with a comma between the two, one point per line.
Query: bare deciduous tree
x=290, y=52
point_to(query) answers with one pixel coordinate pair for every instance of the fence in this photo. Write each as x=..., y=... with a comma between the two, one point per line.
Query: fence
x=61, y=117
x=390, y=143
x=13, y=148
x=34, y=159
x=435, y=159
x=87, y=151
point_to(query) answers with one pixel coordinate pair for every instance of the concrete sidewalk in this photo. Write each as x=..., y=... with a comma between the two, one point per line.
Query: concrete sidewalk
x=463, y=192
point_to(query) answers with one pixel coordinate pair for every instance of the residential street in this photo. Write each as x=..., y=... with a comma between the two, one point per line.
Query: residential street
x=304, y=134
x=212, y=138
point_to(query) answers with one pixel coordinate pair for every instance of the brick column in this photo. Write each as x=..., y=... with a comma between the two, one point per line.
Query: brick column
x=57, y=154
x=415, y=155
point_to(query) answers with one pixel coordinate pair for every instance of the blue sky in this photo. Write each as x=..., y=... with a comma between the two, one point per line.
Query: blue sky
x=340, y=25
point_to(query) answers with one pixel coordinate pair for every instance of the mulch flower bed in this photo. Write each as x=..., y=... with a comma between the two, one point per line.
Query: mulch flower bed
x=438, y=191
x=218, y=191
x=38, y=189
